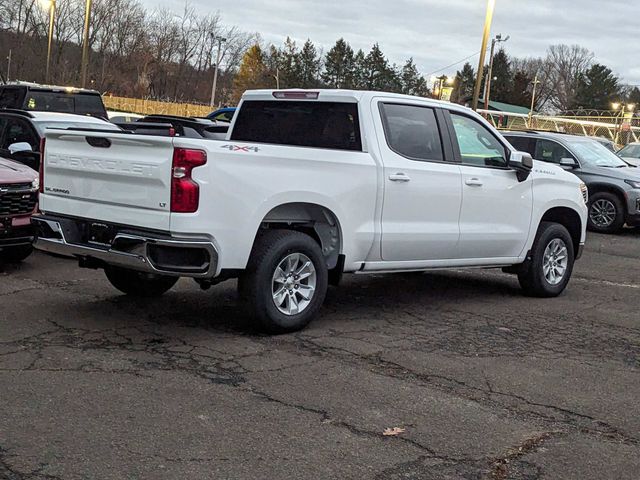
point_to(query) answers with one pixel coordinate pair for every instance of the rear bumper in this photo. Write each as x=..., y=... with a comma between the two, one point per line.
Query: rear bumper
x=142, y=251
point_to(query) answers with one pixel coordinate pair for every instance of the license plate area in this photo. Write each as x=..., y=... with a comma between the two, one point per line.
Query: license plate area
x=100, y=234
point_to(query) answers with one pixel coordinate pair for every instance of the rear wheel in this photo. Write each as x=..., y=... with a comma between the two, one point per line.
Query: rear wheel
x=15, y=254
x=285, y=282
x=139, y=284
x=551, y=265
x=606, y=213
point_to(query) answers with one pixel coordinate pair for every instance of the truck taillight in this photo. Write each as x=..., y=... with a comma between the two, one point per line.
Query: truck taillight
x=41, y=169
x=185, y=192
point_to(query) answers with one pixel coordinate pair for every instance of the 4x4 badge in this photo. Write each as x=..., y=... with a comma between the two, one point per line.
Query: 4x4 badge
x=240, y=148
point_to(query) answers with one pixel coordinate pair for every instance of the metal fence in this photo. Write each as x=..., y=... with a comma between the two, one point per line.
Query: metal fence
x=620, y=131
x=149, y=107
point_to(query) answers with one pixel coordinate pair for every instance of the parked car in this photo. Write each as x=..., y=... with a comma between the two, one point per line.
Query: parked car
x=18, y=200
x=21, y=132
x=222, y=114
x=46, y=98
x=190, y=127
x=614, y=185
x=605, y=142
x=123, y=117
x=310, y=185
x=631, y=153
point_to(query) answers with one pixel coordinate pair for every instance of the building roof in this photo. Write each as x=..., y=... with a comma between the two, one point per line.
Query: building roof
x=504, y=107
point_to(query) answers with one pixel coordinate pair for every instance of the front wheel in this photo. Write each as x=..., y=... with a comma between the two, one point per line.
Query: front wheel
x=285, y=282
x=139, y=284
x=606, y=213
x=551, y=265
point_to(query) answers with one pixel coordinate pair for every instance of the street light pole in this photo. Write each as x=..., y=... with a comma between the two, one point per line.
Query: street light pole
x=485, y=39
x=487, y=94
x=215, y=73
x=52, y=12
x=85, y=43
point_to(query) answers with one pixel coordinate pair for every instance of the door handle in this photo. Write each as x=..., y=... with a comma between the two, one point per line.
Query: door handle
x=473, y=182
x=399, y=177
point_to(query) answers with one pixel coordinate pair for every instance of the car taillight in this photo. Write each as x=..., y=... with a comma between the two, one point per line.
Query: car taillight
x=41, y=170
x=185, y=192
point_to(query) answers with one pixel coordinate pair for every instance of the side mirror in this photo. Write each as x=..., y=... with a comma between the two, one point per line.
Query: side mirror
x=522, y=163
x=568, y=163
x=19, y=147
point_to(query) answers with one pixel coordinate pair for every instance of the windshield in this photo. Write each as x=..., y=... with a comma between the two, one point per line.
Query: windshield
x=632, y=151
x=594, y=154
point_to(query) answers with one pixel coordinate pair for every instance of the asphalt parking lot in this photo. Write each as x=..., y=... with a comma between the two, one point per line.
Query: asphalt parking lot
x=485, y=383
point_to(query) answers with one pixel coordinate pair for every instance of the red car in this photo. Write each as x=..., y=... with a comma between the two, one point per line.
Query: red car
x=18, y=201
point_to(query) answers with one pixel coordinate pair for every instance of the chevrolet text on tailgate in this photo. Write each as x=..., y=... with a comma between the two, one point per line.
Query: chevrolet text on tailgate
x=309, y=185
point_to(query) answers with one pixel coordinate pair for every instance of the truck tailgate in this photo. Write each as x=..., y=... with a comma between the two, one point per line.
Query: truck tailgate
x=114, y=177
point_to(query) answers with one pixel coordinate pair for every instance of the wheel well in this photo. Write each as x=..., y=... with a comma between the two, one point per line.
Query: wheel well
x=570, y=220
x=600, y=188
x=317, y=221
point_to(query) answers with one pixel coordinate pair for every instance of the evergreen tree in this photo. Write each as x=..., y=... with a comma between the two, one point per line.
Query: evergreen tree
x=502, y=81
x=410, y=78
x=309, y=65
x=338, y=66
x=464, y=83
x=378, y=74
x=596, y=89
x=358, y=78
x=634, y=97
x=289, y=65
x=520, y=93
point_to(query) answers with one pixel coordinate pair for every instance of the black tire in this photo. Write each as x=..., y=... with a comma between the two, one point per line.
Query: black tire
x=532, y=277
x=257, y=282
x=15, y=254
x=139, y=284
x=608, y=199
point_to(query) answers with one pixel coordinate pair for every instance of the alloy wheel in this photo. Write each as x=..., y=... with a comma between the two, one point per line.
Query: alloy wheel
x=602, y=213
x=555, y=261
x=293, y=284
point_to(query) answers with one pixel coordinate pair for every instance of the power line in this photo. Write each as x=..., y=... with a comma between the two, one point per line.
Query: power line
x=454, y=64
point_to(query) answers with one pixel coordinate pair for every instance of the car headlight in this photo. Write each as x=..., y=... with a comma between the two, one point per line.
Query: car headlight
x=35, y=185
x=585, y=192
x=633, y=183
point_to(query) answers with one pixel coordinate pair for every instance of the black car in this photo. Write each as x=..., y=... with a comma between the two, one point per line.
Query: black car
x=45, y=98
x=190, y=127
x=613, y=184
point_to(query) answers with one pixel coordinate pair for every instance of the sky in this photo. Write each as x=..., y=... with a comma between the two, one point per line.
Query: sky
x=437, y=33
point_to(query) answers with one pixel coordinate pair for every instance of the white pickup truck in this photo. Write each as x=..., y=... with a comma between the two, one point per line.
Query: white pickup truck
x=306, y=186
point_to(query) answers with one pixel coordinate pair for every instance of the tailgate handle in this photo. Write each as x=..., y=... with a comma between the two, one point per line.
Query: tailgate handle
x=98, y=142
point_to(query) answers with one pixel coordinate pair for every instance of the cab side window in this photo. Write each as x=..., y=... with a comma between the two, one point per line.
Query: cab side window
x=477, y=144
x=550, y=151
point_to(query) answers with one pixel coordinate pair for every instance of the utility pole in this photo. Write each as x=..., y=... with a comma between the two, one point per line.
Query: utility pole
x=9, y=65
x=487, y=90
x=483, y=49
x=85, y=44
x=533, y=99
x=215, y=73
x=52, y=12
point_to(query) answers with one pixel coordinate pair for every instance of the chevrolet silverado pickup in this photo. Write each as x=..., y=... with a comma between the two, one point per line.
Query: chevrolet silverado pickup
x=309, y=185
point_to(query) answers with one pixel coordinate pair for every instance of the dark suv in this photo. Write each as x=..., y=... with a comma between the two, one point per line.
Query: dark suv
x=614, y=185
x=45, y=98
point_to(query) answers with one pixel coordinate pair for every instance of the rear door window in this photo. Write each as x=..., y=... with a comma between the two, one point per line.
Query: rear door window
x=332, y=125
x=412, y=131
x=17, y=131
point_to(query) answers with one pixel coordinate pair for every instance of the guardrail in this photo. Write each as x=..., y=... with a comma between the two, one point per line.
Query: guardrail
x=619, y=131
x=149, y=107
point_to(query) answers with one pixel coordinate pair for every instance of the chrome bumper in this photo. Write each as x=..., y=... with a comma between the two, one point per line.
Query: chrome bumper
x=128, y=250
